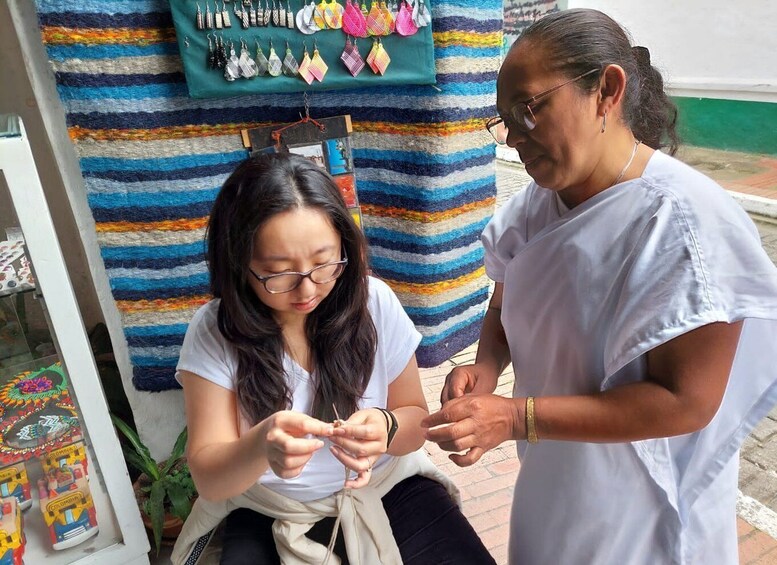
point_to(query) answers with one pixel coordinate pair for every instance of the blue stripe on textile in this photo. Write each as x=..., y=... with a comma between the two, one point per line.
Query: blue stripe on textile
x=146, y=120
x=422, y=239
x=137, y=283
x=95, y=164
x=422, y=157
x=436, y=338
x=467, y=301
x=153, y=263
x=154, y=361
x=469, y=52
x=150, y=175
x=436, y=354
x=169, y=90
x=162, y=293
x=107, y=6
x=429, y=169
x=449, y=78
x=154, y=379
x=375, y=192
x=418, y=247
x=142, y=199
x=130, y=252
x=65, y=52
x=426, y=205
x=93, y=20
x=150, y=331
x=468, y=24
x=408, y=268
x=437, y=318
x=151, y=214
x=482, y=4
x=156, y=341
x=425, y=274
x=85, y=80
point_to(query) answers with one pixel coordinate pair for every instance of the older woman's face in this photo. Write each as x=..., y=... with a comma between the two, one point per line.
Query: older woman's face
x=561, y=151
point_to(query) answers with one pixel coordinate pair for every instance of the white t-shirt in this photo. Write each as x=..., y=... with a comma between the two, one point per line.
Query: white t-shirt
x=207, y=354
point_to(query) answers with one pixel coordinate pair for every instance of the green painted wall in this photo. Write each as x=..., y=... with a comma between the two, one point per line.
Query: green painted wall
x=734, y=125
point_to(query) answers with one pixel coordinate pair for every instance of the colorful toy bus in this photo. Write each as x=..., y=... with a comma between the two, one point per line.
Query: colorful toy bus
x=12, y=539
x=14, y=482
x=67, y=506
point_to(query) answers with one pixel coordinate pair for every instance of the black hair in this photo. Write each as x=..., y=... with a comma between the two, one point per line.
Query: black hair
x=582, y=39
x=340, y=330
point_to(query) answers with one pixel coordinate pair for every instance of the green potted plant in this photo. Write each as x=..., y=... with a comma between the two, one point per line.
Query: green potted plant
x=164, y=490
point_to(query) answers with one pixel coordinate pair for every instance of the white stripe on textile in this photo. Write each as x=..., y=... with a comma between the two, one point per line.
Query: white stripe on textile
x=443, y=296
x=142, y=64
x=159, y=274
x=432, y=144
x=149, y=238
x=421, y=182
x=107, y=186
x=160, y=351
x=432, y=258
x=468, y=314
x=155, y=318
x=206, y=145
x=427, y=228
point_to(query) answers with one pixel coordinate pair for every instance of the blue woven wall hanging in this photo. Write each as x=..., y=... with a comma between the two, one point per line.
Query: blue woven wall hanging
x=153, y=159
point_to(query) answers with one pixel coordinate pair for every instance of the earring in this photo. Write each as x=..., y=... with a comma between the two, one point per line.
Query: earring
x=275, y=66
x=211, y=60
x=246, y=64
x=208, y=16
x=304, y=67
x=351, y=57
x=261, y=61
x=198, y=18
x=604, y=122
x=290, y=65
x=289, y=15
x=225, y=15
x=318, y=67
x=221, y=52
x=232, y=68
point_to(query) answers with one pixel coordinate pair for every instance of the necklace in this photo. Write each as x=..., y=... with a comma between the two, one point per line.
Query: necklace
x=628, y=163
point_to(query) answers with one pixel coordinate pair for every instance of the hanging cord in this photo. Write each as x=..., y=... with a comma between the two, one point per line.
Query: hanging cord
x=276, y=134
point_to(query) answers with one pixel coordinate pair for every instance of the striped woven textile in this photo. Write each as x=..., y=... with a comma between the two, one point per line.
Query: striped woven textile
x=153, y=160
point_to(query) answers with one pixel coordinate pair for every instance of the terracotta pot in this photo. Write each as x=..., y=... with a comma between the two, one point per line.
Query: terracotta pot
x=171, y=527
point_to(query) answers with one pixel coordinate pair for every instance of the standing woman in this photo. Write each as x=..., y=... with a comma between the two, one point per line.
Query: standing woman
x=299, y=338
x=637, y=307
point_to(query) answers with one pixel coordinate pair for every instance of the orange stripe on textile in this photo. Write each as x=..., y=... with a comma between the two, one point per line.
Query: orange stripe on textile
x=436, y=288
x=166, y=305
x=166, y=225
x=467, y=39
x=437, y=129
x=425, y=217
x=178, y=132
x=109, y=36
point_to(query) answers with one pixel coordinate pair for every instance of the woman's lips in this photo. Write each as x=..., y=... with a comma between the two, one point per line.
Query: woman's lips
x=303, y=306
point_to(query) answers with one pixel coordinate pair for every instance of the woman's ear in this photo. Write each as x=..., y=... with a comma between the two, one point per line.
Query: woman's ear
x=612, y=85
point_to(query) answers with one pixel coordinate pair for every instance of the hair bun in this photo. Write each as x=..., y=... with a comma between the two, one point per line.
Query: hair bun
x=641, y=54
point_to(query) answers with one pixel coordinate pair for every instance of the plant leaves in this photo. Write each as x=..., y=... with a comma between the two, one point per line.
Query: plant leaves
x=180, y=503
x=138, y=462
x=137, y=444
x=156, y=511
x=178, y=451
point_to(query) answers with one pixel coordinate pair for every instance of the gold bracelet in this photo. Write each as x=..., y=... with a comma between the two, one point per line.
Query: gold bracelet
x=531, y=430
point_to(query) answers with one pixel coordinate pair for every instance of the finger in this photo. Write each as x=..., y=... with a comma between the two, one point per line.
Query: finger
x=468, y=458
x=361, y=480
x=291, y=445
x=349, y=460
x=299, y=425
x=357, y=448
x=286, y=473
x=366, y=432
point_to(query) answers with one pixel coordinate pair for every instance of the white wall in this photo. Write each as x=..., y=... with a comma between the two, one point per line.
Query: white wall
x=705, y=48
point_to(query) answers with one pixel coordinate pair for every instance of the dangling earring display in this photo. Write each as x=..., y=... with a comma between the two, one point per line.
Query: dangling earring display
x=351, y=57
x=376, y=22
x=405, y=25
x=333, y=15
x=225, y=15
x=275, y=65
x=211, y=59
x=208, y=16
x=281, y=14
x=378, y=59
x=388, y=17
x=261, y=61
x=305, y=21
x=221, y=52
x=267, y=13
x=290, y=65
x=354, y=22
x=218, y=16
x=232, y=68
x=252, y=15
x=246, y=64
x=289, y=15
x=198, y=18
x=304, y=67
x=604, y=122
x=276, y=14
x=318, y=67
x=245, y=18
x=319, y=15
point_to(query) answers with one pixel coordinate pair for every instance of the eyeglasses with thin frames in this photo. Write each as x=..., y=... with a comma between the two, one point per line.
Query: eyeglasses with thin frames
x=522, y=116
x=286, y=282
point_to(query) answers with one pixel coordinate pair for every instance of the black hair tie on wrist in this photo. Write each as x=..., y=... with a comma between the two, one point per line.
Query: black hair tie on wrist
x=391, y=425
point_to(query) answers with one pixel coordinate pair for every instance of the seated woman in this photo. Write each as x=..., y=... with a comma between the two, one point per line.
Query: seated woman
x=297, y=337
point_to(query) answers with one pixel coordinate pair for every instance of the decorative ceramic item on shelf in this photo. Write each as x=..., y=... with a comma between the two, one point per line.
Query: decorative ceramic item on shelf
x=12, y=540
x=15, y=482
x=67, y=506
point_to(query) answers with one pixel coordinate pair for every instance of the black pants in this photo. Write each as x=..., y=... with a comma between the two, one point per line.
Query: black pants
x=427, y=525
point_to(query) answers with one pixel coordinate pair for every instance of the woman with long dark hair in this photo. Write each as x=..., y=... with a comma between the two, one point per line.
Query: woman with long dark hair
x=636, y=304
x=301, y=349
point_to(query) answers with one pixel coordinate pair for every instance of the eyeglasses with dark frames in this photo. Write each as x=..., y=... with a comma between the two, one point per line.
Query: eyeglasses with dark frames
x=286, y=282
x=522, y=116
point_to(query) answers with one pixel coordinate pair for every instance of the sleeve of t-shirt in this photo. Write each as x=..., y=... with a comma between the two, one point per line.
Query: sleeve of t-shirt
x=397, y=337
x=503, y=235
x=205, y=352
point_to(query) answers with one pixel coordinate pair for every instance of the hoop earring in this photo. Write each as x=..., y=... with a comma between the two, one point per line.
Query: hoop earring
x=604, y=122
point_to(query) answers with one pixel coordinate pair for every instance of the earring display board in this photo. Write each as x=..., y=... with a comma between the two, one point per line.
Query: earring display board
x=326, y=142
x=272, y=46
